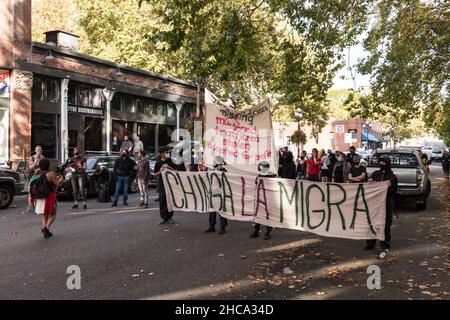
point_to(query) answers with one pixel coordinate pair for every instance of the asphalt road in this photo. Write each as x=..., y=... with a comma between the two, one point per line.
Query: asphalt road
x=123, y=254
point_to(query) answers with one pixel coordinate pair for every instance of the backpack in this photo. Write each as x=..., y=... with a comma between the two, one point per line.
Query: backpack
x=39, y=187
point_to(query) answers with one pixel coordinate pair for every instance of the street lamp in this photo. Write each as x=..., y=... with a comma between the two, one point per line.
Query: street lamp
x=366, y=127
x=178, y=105
x=298, y=116
x=108, y=93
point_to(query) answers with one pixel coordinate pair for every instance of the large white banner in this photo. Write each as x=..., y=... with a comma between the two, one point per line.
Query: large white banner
x=352, y=211
x=242, y=137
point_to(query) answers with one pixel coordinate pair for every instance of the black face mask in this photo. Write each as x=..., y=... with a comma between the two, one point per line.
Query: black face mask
x=124, y=155
x=302, y=157
x=382, y=167
x=356, y=163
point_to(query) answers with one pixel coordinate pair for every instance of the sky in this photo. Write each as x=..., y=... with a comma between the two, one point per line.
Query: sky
x=356, y=52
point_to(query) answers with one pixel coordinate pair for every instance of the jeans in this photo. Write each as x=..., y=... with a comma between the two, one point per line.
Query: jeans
x=213, y=221
x=121, y=181
x=163, y=210
x=143, y=190
x=78, y=186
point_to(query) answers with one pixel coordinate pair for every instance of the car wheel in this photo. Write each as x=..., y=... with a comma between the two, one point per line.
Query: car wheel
x=134, y=186
x=6, y=196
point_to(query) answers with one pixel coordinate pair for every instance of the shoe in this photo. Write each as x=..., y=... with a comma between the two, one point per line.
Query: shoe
x=114, y=205
x=162, y=222
x=222, y=231
x=210, y=229
x=267, y=236
x=141, y=204
x=254, y=235
x=368, y=248
x=46, y=233
x=125, y=204
x=145, y=206
x=75, y=206
x=384, y=253
x=84, y=207
x=170, y=221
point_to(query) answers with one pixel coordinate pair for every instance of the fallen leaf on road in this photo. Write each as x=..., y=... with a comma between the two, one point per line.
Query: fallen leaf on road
x=13, y=232
x=321, y=293
x=177, y=250
x=243, y=257
x=221, y=255
x=151, y=274
x=291, y=287
x=135, y=275
x=287, y=271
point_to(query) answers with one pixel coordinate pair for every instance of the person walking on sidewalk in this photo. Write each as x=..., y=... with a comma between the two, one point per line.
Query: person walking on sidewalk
x=123, y=168
x=43, y=191
x=78, y=178
x=446, y=163
x=219, y=165
x=164, y=163
x=385, y=173
x=143, y=177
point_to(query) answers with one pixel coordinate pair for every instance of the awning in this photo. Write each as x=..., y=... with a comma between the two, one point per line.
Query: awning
x=372, y=138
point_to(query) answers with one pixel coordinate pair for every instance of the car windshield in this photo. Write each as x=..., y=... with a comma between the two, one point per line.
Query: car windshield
x=91, y=162
x=398, y=160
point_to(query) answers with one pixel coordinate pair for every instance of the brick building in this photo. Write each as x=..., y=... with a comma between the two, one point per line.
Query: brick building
x=52, y=95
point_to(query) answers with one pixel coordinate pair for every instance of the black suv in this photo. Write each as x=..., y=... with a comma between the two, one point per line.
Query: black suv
x=11, y=183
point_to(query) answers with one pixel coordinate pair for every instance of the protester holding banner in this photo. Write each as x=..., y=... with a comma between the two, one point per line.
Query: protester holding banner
x=313, y=167
x=164, y=163
x=385, y=174
x=357, y=173
x=288, y=171
x=218, y=166
x=341, y=169
x=264, y=172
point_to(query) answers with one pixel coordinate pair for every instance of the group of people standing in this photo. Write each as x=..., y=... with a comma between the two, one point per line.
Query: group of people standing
x=339, y=167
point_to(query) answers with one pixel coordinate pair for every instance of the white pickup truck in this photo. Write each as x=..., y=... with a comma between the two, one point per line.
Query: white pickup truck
x=413, y=180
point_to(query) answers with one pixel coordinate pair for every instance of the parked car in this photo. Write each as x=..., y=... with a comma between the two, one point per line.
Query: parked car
x=11, y=183
x=436, y=154
x=92, y=161
x=413, y=179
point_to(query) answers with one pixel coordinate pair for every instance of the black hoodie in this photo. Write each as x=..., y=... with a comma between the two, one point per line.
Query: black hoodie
x=386, y=175
x=288, y=171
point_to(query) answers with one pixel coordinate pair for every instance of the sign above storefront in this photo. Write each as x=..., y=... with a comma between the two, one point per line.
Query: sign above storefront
x=85, y=110
x=352, y=130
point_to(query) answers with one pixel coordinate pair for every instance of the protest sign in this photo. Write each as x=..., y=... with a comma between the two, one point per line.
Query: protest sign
x=352, y=211
x=243, y=138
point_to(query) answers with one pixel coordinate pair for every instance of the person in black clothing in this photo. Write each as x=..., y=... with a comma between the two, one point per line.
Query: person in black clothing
x=301, y=165
x=164, y=163
x=357, y=172
x=385, y=174
x=446, y=163
x=288, y=171
x=351, y=154
x=218, y=166
x=263, y=169
x=123, y=168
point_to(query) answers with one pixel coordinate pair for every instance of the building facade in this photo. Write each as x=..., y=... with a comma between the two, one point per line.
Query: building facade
x=52, y=95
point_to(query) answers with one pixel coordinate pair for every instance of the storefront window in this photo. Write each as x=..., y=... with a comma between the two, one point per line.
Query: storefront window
x=150, y=107
x=72, y=93
x=44, y=133
x=128, y=104
x=162, y=105
x=121, y=129
x=171, y=110
x=147, y=134
x=140, y=105
x=45, y=89
x=116, y=103
x=84, y=96
x=97, y=100
x=165, y=135
x=93, y=136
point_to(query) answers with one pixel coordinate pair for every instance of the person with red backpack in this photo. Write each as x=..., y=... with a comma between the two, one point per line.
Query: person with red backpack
x=43, y=192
